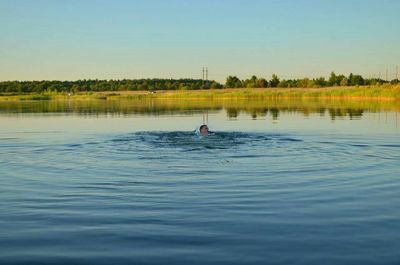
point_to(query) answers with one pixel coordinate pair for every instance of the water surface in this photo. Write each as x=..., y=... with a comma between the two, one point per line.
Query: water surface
x=277, y=183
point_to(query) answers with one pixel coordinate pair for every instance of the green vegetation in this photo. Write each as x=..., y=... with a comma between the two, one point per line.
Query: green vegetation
x=387, y=92
x=354, y=86
x=20, y=87
x=382, y=92
x=333, y=81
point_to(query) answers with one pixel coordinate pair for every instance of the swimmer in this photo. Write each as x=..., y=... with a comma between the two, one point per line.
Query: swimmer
x=204, y=130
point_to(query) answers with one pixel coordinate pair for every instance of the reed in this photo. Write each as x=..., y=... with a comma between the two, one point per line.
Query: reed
x=382, y=92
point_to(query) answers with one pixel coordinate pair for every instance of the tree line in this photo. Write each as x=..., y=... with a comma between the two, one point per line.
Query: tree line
x=183, y=84
x=106, y=85
x=333, y=80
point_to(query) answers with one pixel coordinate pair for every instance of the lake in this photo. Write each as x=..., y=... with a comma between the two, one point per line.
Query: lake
x=129, y=182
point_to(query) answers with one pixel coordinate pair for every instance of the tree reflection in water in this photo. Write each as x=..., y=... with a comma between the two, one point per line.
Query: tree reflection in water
x=353, y=109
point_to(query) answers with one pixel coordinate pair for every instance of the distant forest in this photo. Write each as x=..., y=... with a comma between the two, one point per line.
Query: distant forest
x=333, y=80
x=184, y=84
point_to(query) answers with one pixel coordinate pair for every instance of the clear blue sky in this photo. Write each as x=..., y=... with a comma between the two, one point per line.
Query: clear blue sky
x=77, y=39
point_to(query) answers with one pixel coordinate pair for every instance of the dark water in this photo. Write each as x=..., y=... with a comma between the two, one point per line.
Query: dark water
x=146, y=190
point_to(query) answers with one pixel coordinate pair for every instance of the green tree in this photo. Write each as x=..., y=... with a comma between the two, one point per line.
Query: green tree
x=344, y=82
x=232, y=82
x=320, y=82
x=262, y=83
x=356, y=80
x=274, y=81
x=333, y=80
x=251, y=83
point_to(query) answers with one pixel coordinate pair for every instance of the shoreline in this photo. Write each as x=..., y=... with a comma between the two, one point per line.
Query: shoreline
x=384, y=93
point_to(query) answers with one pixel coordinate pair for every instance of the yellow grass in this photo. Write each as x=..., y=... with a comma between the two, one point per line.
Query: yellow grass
x=383, y=92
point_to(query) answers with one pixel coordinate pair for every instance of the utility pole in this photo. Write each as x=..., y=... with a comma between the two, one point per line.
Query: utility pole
x=386, y=74
x=397, y=72
x=202, y=79
x=205, y=76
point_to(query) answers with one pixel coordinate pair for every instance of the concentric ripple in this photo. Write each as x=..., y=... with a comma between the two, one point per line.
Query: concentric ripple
x=159, y=197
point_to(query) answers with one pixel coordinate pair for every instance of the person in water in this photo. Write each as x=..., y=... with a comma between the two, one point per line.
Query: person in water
x=204, y=130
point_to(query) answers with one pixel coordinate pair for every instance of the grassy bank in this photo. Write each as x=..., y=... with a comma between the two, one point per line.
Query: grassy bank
x=387, y=92
x=383, y=92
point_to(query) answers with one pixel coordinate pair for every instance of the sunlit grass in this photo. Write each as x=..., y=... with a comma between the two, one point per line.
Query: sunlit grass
x=387, y=92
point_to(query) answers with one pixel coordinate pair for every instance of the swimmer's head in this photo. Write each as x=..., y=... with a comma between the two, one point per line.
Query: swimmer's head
x=203, y=130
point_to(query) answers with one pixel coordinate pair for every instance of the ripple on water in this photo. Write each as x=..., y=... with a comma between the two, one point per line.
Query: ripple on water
x=247, y=194
x=189, y=141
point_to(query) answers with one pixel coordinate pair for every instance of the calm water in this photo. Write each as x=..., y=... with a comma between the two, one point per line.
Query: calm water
x=130, y=183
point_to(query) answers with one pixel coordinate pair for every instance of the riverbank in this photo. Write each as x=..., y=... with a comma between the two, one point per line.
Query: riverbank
x=383, y=92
